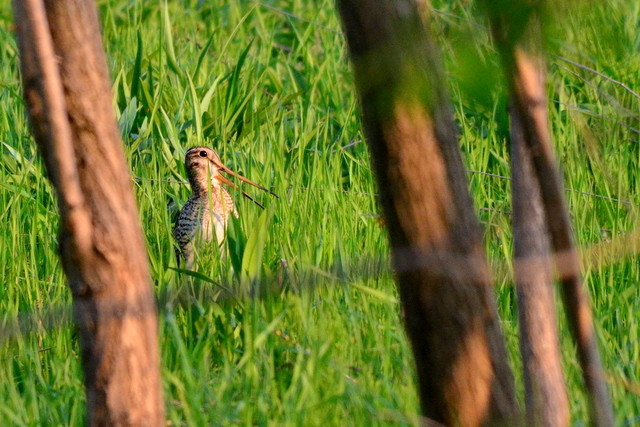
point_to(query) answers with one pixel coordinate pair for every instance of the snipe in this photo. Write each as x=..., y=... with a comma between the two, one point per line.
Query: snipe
x=209, y=205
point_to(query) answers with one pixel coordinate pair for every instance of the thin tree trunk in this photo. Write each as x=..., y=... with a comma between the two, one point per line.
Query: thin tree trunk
x=69, y=102
x=545, y=393
x=518, y=34
x=442, y=274
x=566, y=255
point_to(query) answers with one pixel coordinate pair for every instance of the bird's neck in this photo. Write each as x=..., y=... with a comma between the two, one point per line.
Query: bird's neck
x=201, y=188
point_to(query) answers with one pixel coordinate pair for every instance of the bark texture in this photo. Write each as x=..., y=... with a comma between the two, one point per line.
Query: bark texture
x=441, y=270
x=545, y=392
x=517, y=32
x=68, y=98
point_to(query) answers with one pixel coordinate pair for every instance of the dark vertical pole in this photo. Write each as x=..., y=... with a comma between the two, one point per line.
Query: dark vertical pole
x=517, y=31
x=440, y=266
x=545, y=392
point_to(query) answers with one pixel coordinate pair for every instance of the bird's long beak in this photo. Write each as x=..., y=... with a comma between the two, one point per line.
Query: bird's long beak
x=224, y=180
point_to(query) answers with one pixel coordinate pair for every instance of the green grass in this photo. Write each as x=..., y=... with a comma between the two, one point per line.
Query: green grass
x=267, y=85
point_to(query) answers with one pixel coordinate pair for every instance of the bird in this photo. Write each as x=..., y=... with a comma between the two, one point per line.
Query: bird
x=207, y=210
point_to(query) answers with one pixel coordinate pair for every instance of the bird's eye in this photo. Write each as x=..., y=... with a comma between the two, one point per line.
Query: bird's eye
x=203, y=153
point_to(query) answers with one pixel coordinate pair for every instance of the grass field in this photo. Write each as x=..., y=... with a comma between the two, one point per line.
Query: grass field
x=268, y=86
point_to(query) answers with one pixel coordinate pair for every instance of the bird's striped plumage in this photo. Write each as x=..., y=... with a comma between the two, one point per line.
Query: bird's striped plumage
x=207, y=211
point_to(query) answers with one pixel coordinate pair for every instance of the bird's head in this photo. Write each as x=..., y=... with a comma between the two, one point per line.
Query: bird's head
x=205, y=170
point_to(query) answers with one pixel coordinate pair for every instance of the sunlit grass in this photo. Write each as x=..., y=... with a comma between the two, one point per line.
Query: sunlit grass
x=268, y=87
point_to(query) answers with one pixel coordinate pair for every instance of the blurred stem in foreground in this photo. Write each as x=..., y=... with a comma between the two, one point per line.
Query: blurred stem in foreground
x=69, y=103
x=518, y=33
x=545, y=390
x=442, y=273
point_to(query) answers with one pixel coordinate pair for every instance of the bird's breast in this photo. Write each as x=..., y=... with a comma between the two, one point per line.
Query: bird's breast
x=204, y=215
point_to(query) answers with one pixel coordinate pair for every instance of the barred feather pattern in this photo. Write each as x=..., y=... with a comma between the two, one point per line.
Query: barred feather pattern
x=201, y=216
x=205, y=213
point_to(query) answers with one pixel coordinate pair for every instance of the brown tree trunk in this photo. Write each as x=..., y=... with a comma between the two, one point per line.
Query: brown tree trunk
x=566, y=255
x=518, y=34
x=545, y=393
x=68, y=98
x=443, y=278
